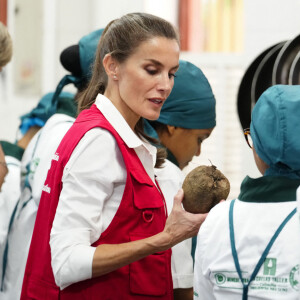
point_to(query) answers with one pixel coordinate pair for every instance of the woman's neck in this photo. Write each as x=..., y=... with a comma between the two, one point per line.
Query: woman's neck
x=114, y=96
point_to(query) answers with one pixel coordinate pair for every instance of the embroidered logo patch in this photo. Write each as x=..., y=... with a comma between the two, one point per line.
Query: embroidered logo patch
x=268, y=281
x=270, y=266
x=220, y=278
x=294, y=278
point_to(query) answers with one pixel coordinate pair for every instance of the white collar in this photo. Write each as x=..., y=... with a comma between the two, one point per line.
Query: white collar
x=118, y=122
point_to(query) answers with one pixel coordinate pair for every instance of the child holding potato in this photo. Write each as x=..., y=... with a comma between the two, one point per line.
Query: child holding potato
x=248, y=247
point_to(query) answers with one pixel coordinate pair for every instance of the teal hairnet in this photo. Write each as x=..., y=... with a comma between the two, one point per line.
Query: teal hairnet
x=191, y=103
x=42, y=112
x=48, y=104
x=275, y=128
x=87, y=50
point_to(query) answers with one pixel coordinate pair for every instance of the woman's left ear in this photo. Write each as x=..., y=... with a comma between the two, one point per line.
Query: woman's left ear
x=111, y=67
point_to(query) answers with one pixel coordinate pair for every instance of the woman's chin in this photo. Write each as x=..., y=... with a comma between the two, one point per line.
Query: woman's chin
x=151, y=117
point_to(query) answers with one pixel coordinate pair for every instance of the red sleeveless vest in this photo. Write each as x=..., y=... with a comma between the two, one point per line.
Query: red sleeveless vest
x=141, y=214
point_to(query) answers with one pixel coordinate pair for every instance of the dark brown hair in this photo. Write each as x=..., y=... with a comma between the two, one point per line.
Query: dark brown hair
x=121, y=38
x=159, y=127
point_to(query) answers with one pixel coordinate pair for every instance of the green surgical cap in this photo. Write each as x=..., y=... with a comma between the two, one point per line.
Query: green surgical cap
x=42, y=112
x=191, y=103
x=275, y=127
x=87, y=50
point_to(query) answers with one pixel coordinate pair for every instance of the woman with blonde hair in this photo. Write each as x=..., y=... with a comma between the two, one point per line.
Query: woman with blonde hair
x=6, y=47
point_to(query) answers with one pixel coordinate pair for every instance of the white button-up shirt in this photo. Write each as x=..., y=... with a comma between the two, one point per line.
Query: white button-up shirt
x=93, y=184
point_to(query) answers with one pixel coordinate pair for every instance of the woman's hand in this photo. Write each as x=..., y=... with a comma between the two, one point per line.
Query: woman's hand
x=180, y=224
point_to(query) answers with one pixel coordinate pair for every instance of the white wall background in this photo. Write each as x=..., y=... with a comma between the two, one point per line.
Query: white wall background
x=64, y=22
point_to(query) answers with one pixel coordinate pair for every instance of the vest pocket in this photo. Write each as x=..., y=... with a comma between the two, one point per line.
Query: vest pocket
x=148, y=276
x=142, y=188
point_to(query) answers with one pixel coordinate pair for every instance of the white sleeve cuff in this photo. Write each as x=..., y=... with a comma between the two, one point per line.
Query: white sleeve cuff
x=78, y=268
x=183, y=281
x=182, y=265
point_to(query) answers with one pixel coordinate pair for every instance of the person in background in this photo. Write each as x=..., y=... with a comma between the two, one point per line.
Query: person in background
x=10, y=154
x=110, y=233
x=6, y=51
x=10, y=160
x=55, y=113
x=187, y=118
x=21, y=208
x=248, y=248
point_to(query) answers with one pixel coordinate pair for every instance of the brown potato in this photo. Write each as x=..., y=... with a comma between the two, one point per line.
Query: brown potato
x=203, y=188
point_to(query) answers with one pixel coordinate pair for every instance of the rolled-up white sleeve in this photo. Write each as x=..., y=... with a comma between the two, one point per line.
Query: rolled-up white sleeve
x=94, y=174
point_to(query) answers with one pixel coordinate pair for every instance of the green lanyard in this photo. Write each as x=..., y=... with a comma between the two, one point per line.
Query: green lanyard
x=264, y=255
